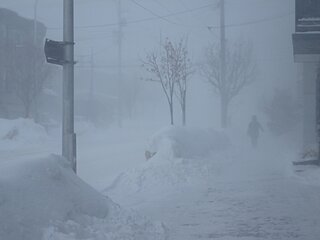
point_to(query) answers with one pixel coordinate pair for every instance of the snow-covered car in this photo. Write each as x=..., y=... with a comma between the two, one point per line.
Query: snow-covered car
x=182, y=142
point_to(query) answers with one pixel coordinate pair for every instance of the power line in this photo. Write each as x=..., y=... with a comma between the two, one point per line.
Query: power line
x=109, y=66
x=152, y=12
x=180, y=13
x=162, y=5
x=253, y=22
x=138, y=20
x=170, y=11
x=184, y=4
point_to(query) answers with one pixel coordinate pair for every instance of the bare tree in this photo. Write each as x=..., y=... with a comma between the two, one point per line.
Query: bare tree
x=165, y=68
x=240, y=72
x=184, y=69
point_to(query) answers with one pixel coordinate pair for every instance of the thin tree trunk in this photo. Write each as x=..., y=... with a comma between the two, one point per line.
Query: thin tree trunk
x=171, y=113
x=224, y=111
x=184, y=117
x=184, y=107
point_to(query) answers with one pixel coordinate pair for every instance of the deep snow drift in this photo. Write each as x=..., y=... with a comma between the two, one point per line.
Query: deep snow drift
x=44, y=199
x=183, y=142
x=195, y=175
x=182, y=157
x=224, y=193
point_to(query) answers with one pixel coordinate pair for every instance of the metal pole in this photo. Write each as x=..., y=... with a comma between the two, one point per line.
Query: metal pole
x=35, y=24
x=91, y=109
x=68, y=135
x=223, y=65
x=318, y=111
x=120, y=64
x=35, y=75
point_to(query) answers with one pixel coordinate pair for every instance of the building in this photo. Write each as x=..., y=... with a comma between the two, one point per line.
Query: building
x=306, y=49
x=18, y=42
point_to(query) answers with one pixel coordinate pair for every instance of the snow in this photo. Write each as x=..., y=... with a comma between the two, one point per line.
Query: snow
x=84, y=127
x=50, y=92
x=233, y=192
x=183, y=142
x=44, y=199
x=183, y=158
x=306, y=174
x=20, y=132
x=309, y=19
x=201, y=184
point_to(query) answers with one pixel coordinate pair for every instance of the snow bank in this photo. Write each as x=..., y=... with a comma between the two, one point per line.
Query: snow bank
x=43, y=199
x=181, y=142
x=20, y=132
x=184, y=157
x=306, y=174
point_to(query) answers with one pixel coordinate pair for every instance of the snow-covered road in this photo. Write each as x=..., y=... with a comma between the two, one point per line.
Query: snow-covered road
x=254, y=198
x=258, y=209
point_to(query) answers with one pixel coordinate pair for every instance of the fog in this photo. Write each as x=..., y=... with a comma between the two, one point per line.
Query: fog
x=159, y=134
x=267, y=24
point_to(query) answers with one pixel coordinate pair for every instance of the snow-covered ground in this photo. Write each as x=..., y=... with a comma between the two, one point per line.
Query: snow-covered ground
x=41, y=198
x=182, y=159
x=200, y=183
x=20, y=133
x=44, y=199
x=241, y=193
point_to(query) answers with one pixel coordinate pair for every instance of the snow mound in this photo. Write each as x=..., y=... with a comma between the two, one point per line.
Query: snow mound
x=306, y=174
x=44, y=199
x=21, y=131
x=154, y=179
x=185, y=157
x=181, y=142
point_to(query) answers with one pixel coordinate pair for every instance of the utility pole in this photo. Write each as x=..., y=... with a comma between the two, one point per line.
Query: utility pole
x=120, y=82
x=35, y=22
x=35, y=75
x=223, y=97
x=68, y=135
x=91, y=110
x=318, y=112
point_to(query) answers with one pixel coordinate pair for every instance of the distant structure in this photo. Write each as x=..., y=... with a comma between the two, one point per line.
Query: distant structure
x=16, y=34
x=306, y=50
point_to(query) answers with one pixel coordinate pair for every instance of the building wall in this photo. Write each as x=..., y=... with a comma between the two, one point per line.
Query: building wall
x=309, y=101
x=16, y=34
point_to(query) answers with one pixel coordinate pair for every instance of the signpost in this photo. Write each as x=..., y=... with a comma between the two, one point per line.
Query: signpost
x=306, y=39
x=54, y=52
x=307, y=15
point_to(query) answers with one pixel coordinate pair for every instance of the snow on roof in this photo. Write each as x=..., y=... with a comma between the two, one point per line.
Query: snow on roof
x=309, y=19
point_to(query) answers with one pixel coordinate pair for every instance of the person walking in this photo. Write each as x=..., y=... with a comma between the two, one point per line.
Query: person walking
x=253, y=131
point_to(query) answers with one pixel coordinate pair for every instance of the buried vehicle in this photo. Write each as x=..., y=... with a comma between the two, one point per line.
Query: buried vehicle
x=181, y=142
